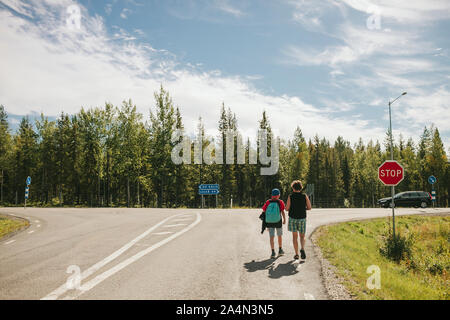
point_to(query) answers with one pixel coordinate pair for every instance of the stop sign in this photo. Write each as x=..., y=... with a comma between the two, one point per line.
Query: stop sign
x=391, y=173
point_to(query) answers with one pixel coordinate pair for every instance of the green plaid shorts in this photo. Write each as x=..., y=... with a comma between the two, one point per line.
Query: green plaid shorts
x=297, y=225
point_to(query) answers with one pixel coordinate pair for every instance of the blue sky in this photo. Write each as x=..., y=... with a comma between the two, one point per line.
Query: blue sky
x=328, y=66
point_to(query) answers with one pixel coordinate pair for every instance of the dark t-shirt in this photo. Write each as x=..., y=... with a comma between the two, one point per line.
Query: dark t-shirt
x=297, y=210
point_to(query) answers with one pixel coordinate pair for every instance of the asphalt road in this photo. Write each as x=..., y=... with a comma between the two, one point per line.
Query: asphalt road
x=160, y=254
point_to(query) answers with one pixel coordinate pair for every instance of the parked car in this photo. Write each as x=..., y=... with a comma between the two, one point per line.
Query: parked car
x=408, y=199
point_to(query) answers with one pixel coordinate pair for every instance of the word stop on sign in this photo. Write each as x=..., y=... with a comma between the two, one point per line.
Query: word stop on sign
x=390, y=173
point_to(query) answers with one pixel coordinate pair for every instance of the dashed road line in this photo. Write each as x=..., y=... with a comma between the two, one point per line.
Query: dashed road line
x=30, y=232
x=162, y=233
x=9, y=242
x=92, y=283
x=89, y=285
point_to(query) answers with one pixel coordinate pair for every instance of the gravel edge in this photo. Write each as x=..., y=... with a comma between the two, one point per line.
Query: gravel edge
x=332, y=282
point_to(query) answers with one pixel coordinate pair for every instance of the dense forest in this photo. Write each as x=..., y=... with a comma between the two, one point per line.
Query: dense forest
x=111, y=156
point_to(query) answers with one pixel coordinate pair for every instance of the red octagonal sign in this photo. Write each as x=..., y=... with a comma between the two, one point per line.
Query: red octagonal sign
x=391, y=173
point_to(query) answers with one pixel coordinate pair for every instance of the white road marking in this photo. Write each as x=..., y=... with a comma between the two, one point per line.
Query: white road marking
x=308, y=296
x=9, y=242
x=37, y=221
x=184, y=219
x=63, y=288
x=162, y=233
x=38, y=225
x=105, y=275
x=175, y=225
x=30, y=232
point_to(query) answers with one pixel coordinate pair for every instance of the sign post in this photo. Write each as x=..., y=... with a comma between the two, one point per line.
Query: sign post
x=391, y=173
x=432, y=180
x=27, y=191
x=208, y=190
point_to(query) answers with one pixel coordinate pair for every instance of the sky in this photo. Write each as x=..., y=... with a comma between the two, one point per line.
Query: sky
x=329, y=67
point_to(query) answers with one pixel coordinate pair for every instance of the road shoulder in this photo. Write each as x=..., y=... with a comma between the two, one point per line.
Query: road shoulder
x=22, y=225
x=331, y=281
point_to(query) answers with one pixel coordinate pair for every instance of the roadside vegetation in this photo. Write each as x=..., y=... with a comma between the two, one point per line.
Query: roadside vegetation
x=416, y=265
x=8, y=225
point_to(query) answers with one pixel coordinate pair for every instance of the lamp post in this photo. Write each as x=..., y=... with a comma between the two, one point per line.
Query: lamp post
x=392, y=158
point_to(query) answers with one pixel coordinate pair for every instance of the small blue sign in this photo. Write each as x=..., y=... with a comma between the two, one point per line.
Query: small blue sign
x=432, y=179
x=28, y=181
x=208, y=191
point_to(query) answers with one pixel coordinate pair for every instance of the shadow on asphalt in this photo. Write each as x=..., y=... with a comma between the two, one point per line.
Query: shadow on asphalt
x=259, y=265
x=281, y=270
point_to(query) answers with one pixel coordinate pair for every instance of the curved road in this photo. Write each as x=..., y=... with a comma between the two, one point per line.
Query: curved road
x=160, y=254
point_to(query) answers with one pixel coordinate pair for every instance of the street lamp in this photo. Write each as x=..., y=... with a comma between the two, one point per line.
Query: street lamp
x=392, y=158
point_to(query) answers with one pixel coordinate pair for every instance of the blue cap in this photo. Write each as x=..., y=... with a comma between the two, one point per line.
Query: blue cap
x=275, y=192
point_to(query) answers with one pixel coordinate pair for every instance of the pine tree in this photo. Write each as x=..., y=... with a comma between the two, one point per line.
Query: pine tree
x=25, y=158
x=161, y=129
x=437, y=162
x=47, y=150
x=5, y=149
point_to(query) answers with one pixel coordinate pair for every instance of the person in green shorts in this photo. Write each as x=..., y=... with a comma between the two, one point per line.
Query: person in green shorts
x=297, y=204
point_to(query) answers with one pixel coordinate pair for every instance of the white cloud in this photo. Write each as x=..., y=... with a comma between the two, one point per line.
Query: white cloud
x=68, y=69
x=226, y=7
x=125, y=13
x=417, y=11
x=108, y=8
x=18, y=6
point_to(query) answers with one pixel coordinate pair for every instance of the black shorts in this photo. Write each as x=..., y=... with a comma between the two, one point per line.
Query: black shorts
x=274, y=225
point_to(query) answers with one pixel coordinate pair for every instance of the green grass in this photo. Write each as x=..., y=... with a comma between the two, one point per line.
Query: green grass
x=10, y=225
x=354, y=246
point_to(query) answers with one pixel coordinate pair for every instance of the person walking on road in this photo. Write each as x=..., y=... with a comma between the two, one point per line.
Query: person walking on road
x=297, y=204
x=275, y=218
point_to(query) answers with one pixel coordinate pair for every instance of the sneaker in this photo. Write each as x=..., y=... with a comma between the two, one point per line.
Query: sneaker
x=303, y=254
x=296, y=257
x=281, y=252
x=273, y=256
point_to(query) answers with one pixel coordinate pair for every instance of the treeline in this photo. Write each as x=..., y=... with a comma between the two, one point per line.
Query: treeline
x=110, y=156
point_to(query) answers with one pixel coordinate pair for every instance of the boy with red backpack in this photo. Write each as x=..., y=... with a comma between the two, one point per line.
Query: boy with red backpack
x=274, y=219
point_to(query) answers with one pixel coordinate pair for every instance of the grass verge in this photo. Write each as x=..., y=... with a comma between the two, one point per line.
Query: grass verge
x=353, y=247
x=9, y=225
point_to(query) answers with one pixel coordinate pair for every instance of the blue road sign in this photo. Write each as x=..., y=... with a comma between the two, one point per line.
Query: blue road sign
x=28, y=181
x=208, y=191
x=432, y=179
x=208, y=187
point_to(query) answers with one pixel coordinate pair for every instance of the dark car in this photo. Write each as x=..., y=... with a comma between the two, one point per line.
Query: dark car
x=408, y=199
